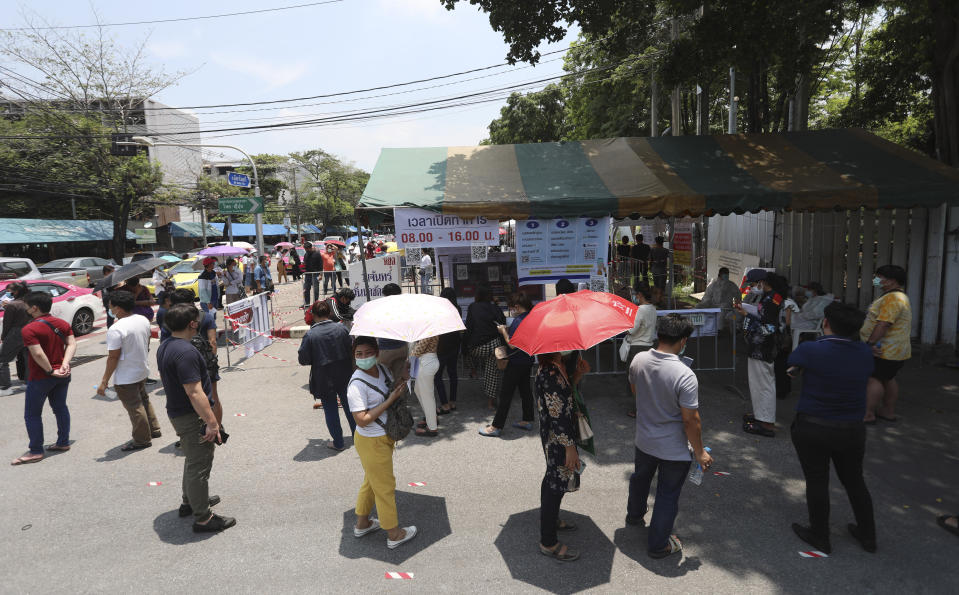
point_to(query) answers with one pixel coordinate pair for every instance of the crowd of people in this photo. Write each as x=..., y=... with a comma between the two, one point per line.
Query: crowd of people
x=849, y=381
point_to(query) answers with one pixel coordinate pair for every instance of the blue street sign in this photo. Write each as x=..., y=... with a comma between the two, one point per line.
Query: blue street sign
x=235, y=179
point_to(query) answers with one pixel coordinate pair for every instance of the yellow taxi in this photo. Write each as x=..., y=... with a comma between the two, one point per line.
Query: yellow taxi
x=183, y=274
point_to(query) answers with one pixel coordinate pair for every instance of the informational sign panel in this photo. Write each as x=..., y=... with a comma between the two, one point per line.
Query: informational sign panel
x=551, y=249
x=437, y=230
x=235, y=179
x=240, y=205
x=379, y=271
x=683, y=242
x=736, y=262
x=146, y=236
x=250, y=319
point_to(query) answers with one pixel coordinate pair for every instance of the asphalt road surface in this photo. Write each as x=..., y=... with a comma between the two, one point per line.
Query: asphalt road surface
x=88, y=520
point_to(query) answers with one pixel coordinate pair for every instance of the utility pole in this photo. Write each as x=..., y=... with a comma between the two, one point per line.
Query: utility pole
x=296, y=202
x=733, y=100
x=654, y=107
x=677, y=109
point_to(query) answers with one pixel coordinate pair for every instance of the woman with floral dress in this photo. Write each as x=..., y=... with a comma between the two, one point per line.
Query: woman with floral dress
x=558, y=431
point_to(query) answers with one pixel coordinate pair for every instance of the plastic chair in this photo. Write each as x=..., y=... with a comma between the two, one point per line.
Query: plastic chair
x=799, y=332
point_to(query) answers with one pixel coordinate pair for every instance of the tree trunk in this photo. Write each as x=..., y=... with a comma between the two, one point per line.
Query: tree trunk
x=753, y=100
x=119, y=234
x=945, y=80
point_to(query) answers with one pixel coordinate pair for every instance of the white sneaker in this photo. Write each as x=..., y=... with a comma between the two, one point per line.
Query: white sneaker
x=370, y=529
x=4, y=392
x=410, y=534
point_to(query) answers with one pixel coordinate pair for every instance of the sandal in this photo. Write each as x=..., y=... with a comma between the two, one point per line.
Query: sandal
x=941, y=521
x=134, y=446
x=443, y=412
x=452, y=406
x=754, y=427
x=494, y=433
x=427, y=432
x=421, y=424
x=559, y=551
x=523, y=425
x=58, y=448
x=748, y=418
x=564, y=526
x=673, y=546
x=27, y=459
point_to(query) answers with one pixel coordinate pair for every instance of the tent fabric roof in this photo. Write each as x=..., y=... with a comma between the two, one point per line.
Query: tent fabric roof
x=190, y=229
x=269, y=229
x=672, y=176
x=48, y=231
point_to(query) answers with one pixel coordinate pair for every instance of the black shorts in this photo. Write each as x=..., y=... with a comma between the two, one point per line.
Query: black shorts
x=886, y=369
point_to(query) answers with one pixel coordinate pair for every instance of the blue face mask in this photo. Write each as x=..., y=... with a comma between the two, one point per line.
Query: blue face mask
x=365, y=363
x=876, y=281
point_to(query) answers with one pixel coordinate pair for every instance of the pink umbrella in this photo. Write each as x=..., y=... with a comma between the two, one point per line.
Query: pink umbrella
x=284, y=245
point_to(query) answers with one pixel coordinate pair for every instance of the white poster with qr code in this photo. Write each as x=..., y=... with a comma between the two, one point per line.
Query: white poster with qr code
x=548, y=250
x=478, y=253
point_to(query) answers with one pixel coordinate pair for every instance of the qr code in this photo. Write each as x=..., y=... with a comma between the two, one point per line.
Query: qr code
x=524, y=259
x=478, y=253
x=413, y=254
x=597, y=283
x=589, y=254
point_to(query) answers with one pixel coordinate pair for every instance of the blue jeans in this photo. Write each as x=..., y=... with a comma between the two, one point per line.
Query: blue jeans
x=311, y=280
x=672, y=474
x=448, y=363
x=329, y=278
x=425, y=283
x=332, y=412
x=37, y=392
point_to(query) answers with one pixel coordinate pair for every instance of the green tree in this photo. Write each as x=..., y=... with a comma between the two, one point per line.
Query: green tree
x=530, y=118
x=336, y=187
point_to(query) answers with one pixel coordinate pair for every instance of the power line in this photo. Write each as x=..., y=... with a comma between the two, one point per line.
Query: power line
x=178, y=20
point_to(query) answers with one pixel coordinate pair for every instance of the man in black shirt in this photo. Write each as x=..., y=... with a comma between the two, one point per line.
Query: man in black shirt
x=640, y=254
x=622, y=255
x=190, y=408
x=313, y=262
x=659, y=262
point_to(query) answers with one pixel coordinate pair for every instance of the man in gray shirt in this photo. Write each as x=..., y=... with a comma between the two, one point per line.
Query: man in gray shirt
x=667, y=416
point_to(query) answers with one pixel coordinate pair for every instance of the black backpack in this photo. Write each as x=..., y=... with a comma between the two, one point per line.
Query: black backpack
x=399, y=420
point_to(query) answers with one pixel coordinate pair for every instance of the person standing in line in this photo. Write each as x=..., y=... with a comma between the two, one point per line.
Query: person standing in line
x=128, y=345
x=339, y=303
x=516, y=375
x=189, y=405
x=392, y=353
x=813, y=310
x=205, y=342
x=327, y=349
x=339, y=266
x=425, y=389
x=249, y=264
x=481, y=339
x=788, y=312
x=371, y=392
x=887, y=329
x=105, y=294
x=623, y=250
x=640, y=253
x=282, y=259
x=144, y=305
x=15, y=317
x=762, y=338
x=642, y=336
x=659, y=262
x=558, y=431
x=354, y=252
x=329, y=268
x=447, y=352
x=232, y=282
x=313, y=264
x=426, y=272
x=667, y=428
x=828, y=425
x=51, y=345
x=208, y=286
x=261, y=275
x=295, y=264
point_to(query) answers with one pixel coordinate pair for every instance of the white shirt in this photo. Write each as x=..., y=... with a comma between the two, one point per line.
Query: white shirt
x=426, y=261
x=233, y=281
x=362, y=398
x=644, y=329
x=131, y=335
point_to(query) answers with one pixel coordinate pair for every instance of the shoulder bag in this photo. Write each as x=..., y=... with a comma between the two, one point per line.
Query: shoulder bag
x=399, y=420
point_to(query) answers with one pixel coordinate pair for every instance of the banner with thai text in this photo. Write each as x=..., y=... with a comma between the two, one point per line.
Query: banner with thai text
x=438, y=230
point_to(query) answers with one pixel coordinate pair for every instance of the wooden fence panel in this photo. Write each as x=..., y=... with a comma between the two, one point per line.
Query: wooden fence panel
x=950, y=283
x=795, y=229
x=900, y=238
x=838, y=253
x=917, y=250
x=822, y=250
x=852, y=257
x=932, y=284
x=884, y=238
x=868, y=256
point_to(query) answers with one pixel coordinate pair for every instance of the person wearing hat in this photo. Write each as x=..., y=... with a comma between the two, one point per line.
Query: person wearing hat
x=208, y=286
x=762, y=329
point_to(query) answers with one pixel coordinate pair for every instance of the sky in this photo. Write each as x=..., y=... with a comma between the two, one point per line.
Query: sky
x=342, y=46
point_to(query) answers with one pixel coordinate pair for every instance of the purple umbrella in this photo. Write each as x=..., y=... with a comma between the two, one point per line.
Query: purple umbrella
x=222, y=251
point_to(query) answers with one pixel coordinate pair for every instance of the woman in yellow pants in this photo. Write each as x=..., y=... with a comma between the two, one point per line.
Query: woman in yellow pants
x=370, y=394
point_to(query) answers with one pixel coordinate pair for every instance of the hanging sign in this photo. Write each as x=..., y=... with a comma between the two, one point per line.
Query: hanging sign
x=438, y=230
x=551, y=249
x=682, y=242
x=379, y=272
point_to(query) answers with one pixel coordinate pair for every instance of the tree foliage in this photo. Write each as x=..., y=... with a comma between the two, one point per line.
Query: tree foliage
x=334, y=187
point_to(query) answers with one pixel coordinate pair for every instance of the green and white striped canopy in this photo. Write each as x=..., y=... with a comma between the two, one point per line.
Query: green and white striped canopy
x=666, y=176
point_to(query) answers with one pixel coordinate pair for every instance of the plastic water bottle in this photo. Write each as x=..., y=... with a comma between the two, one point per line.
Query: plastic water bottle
x=696, y=473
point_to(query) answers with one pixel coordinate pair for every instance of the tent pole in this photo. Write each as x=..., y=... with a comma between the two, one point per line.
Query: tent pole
x=670, y=280
x=359, y=235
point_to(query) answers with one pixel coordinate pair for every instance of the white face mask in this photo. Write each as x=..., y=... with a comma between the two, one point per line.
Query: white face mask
x=756, y=289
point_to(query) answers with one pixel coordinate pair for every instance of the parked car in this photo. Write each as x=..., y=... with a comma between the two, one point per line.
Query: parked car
x=23, y=269
x=164, y=254
x=93, y=265
x=76, y=305
x=184, y=276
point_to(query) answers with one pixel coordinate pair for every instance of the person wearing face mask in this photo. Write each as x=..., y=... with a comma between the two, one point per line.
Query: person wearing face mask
x=371, y=392
x=813, y=309
x=668, y=427
x=516, y=374
x=762, y=330
x=886, y=330
x=128, y=345
x=642, y=337
x=721, y=293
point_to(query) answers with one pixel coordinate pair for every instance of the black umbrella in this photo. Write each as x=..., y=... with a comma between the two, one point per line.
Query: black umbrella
x=129, y=271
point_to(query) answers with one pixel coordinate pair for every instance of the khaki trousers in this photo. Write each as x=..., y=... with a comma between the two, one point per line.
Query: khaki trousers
x=137, y=403
x=197, y=465
x=379, y=485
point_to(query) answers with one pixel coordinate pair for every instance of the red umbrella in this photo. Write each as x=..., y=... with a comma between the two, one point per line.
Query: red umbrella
x=574, y=321
x=336, y=243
